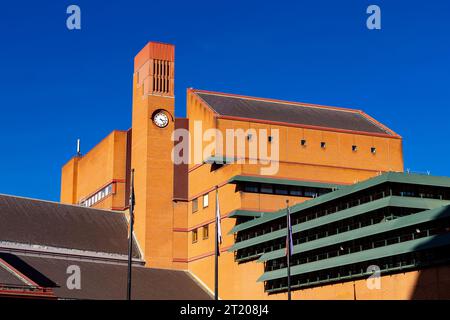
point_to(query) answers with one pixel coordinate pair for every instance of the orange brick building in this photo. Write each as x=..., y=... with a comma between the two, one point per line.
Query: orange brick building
x=318, y=149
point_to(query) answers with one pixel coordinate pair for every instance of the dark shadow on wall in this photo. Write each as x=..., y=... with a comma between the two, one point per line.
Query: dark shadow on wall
x=433, y=281
x=27, y=270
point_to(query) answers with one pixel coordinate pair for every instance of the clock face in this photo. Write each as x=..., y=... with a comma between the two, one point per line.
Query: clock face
x=161, y=119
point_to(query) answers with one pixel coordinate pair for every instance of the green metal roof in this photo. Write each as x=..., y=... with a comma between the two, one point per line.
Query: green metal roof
x=219, y=160
x=397, y=177
x=421, y=217
x=245, y=213
x=288, y=182
x=377, y=253
x=392, y=201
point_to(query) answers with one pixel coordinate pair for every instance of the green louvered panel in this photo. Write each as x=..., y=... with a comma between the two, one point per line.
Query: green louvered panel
x=394, y=201
x=372, y=254
x=421, y=217
x=397, y=177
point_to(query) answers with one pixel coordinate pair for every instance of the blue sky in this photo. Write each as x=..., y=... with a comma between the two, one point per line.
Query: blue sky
x=57, y=85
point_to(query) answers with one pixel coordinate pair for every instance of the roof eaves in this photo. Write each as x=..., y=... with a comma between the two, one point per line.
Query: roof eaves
x=306, y=126
x=379, y=124
x=203, y=102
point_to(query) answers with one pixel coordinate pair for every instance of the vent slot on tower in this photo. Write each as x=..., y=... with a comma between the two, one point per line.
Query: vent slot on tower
x=161, y=76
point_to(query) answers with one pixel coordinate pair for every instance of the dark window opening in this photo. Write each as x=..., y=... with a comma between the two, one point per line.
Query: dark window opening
x=266, y=188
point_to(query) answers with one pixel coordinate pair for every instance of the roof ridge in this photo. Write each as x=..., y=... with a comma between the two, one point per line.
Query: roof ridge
x=60, y=203
x=52, y=251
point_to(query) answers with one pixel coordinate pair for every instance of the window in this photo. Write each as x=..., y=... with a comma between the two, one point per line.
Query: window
x=311, y=193
x=269, y=138
x=206, y=200
x=354, y=148
x=266, y=188
x=98, y=196
x=373, y=150
x=251, y=187
x=323, y=145
x=249, y=137
x=303, y=143
x=195, y=205
x=205, y=232
x=194, y=236
x=295, y=191
x=281, y=190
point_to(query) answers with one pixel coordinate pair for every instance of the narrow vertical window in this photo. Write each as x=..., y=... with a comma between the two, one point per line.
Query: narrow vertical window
x=194, y=205
x=205, y=232
x=206, y=200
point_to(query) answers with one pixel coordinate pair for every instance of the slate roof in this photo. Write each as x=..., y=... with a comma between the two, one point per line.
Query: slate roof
x=44, y=223
x=39, y=240
x=228, y=105
x=106, y=281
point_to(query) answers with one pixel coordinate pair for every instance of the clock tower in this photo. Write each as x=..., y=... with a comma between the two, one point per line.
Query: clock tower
x=151, y=147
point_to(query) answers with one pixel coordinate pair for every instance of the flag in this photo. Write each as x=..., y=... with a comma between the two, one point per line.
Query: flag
x=289, y=242
x=131, y=204
x=130, y=234
x=218, y=223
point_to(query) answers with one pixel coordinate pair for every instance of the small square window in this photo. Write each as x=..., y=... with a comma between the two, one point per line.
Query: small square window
x=373, y=150
x=323, y=145
x=205, y=200
x=195, y=205
x=354, y=148
x=194, y=236
x=205, y=232
x=303, y=143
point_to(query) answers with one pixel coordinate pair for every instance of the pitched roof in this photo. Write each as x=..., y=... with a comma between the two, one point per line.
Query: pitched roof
x=307, y=115
x=36, y=222
x=39, y=240
x=106, y=280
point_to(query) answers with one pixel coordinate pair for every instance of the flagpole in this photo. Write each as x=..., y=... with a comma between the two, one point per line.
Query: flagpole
x=216, y=251
x=288, y=250
x=130, y=243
